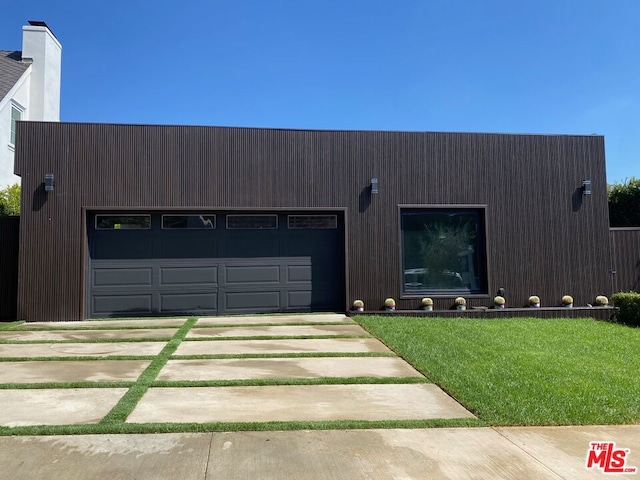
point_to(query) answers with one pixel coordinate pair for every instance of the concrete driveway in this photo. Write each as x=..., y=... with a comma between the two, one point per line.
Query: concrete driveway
x=305, y=368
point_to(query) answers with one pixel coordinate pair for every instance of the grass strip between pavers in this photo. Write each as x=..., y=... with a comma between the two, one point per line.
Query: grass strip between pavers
x=129, y=400
x=132, y=428
x=263, y=382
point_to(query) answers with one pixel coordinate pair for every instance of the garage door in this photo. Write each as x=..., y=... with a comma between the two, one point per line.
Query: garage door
x=214, y=263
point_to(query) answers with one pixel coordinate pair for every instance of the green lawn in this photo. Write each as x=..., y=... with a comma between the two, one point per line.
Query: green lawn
x=524, y=371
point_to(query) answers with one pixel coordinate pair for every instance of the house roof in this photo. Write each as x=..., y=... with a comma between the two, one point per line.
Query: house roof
x=11, y=69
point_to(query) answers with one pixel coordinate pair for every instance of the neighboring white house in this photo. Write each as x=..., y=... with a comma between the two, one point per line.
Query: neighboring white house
x=29, y=89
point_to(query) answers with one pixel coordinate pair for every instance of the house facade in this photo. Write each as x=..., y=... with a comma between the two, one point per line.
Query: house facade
x=29, y=89
x=175, y=220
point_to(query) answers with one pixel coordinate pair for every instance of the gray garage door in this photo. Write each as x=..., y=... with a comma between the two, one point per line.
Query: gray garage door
x=214, y=263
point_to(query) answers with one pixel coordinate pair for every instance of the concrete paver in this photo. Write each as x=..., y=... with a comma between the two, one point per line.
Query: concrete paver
x=286, y=330
x=72, y=371
x=151, y=323
x=17, y=350
x=258, y=319
x=261, y=368
x=59, y=335
x=296, y=403
x=169, y=456
x=309, y=345
x=72, y=406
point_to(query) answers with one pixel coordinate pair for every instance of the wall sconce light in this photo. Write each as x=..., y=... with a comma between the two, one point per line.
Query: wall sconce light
x=48, y=182
x=586, y=187
x=374, y=186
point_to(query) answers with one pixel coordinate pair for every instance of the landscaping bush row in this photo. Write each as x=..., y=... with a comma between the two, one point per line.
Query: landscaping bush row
x=629, y=305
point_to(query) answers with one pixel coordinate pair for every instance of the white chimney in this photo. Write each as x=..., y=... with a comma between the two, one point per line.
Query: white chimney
x=42, y=48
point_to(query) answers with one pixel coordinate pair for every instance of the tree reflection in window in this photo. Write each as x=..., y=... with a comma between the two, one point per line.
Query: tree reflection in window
x=443, y=251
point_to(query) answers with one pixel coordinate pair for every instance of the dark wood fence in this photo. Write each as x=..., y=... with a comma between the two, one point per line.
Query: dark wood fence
x=9, y=241
x=625, y=259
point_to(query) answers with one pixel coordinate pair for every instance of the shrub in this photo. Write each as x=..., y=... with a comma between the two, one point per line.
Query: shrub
x=629, y=305
x=427, y=302
x=624, y=203
x=567, y=301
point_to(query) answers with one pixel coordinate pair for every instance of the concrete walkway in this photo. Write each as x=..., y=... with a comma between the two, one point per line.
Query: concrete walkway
x=368, y=383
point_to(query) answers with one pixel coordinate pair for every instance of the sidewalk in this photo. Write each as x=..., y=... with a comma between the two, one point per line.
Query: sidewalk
x=223, y=369
x=464, y=453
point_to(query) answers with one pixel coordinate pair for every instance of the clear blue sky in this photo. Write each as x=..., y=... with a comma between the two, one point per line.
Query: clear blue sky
x=514, y=66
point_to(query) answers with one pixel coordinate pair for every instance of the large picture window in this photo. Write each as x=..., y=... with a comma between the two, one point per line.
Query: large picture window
x=443, y=250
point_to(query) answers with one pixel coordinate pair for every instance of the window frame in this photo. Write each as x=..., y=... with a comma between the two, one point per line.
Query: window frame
x=215, y=220
x=143, y=215
x=482, y=249
x=332, y=217
x=13, y=126
x=229, y=215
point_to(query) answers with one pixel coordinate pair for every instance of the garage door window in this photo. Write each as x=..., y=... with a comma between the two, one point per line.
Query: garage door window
x=259, y=222
x=123, y=222
x=312, y=221
x=191, y=222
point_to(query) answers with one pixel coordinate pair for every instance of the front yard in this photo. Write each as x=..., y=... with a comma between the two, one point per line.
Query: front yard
x=524, y=371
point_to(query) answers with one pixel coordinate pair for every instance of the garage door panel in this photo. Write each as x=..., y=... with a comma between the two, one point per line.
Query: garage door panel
x=248, y=300
x=299, y=298
x=244, y=274
x=122, y=303
x=123, y=245
x=252, y=244
x=122, y=277
x=189, y=275
x=185, y=302
x=185, y=246
x=299, y=273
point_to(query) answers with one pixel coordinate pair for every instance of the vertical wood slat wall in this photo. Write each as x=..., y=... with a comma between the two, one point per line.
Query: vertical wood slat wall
x=543, y=236
x=625, y=252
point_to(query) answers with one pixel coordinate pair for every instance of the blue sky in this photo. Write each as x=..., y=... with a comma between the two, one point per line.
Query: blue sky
x=526, y=66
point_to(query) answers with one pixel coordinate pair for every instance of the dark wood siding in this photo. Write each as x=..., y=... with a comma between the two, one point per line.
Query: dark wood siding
x=625, y=259
x=9, y=242
x=543, y=236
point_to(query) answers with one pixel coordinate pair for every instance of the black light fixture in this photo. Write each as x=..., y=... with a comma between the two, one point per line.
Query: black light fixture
x=586, y=187
x=374, y=186
x=48, y=182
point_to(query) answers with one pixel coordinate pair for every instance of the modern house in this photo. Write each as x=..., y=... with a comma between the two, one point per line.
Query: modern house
x=165, y=220
x=29, y=89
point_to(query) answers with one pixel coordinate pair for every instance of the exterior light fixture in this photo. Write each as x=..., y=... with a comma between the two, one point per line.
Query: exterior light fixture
x=374, y=186
x=48, y=182
x=586, y=187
